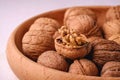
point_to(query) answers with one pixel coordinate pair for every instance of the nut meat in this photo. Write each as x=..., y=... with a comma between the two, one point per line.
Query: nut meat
x=72, y=45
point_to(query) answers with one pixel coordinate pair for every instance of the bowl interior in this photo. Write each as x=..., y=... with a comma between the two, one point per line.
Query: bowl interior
x=58, y=15
x=24, y=27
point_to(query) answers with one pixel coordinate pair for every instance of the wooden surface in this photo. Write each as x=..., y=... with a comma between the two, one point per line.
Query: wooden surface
x=26, y=69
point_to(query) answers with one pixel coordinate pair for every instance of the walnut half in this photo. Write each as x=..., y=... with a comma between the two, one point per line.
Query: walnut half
x=72, y=45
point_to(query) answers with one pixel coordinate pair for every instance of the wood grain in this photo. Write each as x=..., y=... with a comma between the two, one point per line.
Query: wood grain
x=26, y=69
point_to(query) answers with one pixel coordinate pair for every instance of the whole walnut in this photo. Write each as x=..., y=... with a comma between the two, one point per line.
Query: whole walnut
x=115, y=38
x=71, y=45
x=83, y=24
x=75, y=11
x=53, y=60
x=39, y=37
x=111, y=69
x=105, y=51
x=113, y=13
x=83, y=67
x=111, y=28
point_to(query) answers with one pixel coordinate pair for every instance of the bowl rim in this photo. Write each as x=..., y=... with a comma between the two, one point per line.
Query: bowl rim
x=11, y=43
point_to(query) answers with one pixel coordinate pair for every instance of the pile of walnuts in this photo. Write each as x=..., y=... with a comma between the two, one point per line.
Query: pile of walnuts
x=79, y=46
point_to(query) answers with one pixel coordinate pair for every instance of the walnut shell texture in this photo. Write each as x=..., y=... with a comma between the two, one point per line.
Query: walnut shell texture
x=115, y=38
x=113, y=13
x=111, y=28
x=75, y=11
x=53, y=60
x=83, y=67
x=91, y=39
x=105, y=51
x=39, y=38
x=111, y=69
x=70, y=52
x=83, y=24
x=45, y=23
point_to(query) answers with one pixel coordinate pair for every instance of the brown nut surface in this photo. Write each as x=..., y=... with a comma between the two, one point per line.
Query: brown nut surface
x=105, y=51
x=70, y=52
x=80, y=23
x=91, y=39
x=83, y=67
x=83, y=24
x=111, y=28
x=75, y=11
x=39, y=38
x=113, y=13
x=111, y=69
x=72, y=45
x=53, y=60
x=45, y=23
x=115, y=38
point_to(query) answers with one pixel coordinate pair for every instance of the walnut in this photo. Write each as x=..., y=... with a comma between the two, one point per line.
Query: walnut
x=111, y=28
x=53, y=60
x=75, y=11
x=46, y=24
x=113, y=13
x=72, y=45
x=83, y=24
x=111, y=69
x=91, y=39
x=39, y=38
x=83, y=67
x=105, y=51
x=56, y=34
x=115, y=38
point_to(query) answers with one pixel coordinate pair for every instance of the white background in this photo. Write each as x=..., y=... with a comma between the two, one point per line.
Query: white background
x=14, y=12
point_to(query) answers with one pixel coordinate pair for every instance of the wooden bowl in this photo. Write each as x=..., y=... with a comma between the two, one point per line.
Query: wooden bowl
x=26, y=69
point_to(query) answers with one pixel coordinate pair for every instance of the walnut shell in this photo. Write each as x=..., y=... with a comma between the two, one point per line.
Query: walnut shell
x=83, y=24
x=105, y=51
x=75, y=11
x=83, y=67
x=113, y=13
x=53, y=60
x=91, y=39
x=71, y=52
x=44, y=23
x=111, y=69
x=56, y=34
x=95, y=32
x=49, y=28
x=115, y=38
x=111, y=28
x=39, y=38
